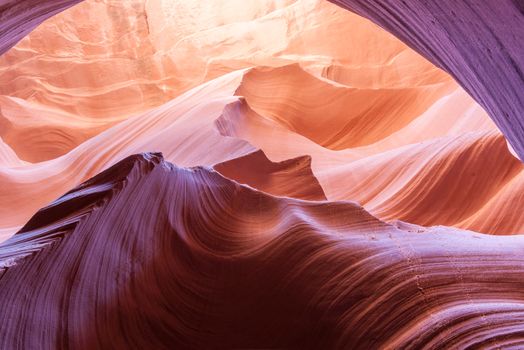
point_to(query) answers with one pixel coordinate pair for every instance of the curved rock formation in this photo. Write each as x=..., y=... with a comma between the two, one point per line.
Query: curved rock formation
x=280, y=116
x=150, y=255
x=441, y=168
x=387, y=177
x=38, y=133
x=479, y=43
x=344, y=117
x=290, y=178
x=162, y=50
x=183, y=129
x=19, y=17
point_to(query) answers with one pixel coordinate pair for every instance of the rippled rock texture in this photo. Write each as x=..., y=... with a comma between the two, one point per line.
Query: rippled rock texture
x=149, y=255
x=262, y=174
x=19, y=17
x=478, y=42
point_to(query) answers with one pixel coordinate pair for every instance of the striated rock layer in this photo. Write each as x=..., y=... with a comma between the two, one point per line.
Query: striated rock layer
x=422, y=168
x=107, y=60
x=19, y=17
x=478, y=42
x=149, y=255
x=280, y=116
x=381, y=125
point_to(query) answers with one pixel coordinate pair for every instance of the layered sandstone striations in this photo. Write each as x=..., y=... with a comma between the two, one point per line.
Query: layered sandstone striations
x=19, y=17
x=311, y=161
x=381, y=125
x=150, y=255
x=478, y=43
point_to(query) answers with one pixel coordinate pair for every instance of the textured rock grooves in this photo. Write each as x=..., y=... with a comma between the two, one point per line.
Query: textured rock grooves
x=381, y=124
x=479, y=43
x=19, y=17
x=212, y=263
x=275, y=118
x=59, y=218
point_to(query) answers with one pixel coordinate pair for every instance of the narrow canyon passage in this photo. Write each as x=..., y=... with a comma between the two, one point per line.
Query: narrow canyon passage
x=264, y=174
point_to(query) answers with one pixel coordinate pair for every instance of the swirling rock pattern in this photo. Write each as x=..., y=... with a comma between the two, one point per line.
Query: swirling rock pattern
x=61, y=129
x=19, y=17
x=162, y=49
x=391, y=177
x=149, y=255
x=280, y=116
x=425, y=172
x=478, y=42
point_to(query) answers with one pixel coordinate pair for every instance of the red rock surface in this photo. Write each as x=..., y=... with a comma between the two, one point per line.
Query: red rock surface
x=290, y=178
x=324, y=186
x=19, y=17
x=479, y=43
x=198, y=261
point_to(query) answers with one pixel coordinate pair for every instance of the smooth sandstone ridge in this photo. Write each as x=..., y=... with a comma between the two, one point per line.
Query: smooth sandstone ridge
x=379, y=122
x=425, y=172
x=478, y=42
x=161, y=50
x=151, y=255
